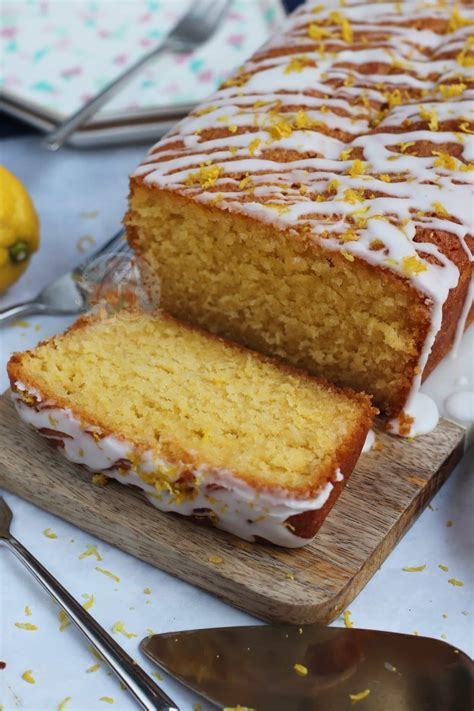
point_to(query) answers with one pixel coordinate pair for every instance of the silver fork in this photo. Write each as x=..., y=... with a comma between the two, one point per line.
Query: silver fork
x=66, y=296
x=191, y=31
x=142, y=688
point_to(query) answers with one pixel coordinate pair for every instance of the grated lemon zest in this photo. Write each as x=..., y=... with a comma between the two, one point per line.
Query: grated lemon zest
x=120, y=627
x=49, y=533
x=215, y=559
x=360, y=696
x=90, y=550
x=300, y=669
x=88, y=604
x=64, y=620
x=413, y=265
x=357, y=168
x=346, y=616
x=93, y=668
x=108, y=573
x=27, y=676
x=26, y=626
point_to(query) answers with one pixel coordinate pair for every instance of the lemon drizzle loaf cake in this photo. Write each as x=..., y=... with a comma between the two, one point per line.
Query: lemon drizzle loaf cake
x=204, y=427
x=318, y=207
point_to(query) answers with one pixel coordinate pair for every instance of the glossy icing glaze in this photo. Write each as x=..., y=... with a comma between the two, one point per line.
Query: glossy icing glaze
x=207, y=492
x=353, y=127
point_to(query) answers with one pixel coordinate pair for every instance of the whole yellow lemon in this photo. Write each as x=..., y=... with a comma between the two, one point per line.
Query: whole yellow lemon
x=19, y=228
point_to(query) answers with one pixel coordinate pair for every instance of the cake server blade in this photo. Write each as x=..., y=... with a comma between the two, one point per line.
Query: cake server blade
x=316, y=668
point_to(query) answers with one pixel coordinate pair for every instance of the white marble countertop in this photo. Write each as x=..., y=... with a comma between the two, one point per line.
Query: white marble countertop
x=82, y=195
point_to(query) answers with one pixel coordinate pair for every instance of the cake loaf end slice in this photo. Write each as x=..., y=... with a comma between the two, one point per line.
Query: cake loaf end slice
x=204, y=427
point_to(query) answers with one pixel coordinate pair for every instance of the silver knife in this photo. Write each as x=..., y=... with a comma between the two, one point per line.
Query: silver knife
x=316, y=668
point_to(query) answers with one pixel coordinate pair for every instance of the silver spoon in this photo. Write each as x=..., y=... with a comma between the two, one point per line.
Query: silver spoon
x=192, y=30
x=142, y=688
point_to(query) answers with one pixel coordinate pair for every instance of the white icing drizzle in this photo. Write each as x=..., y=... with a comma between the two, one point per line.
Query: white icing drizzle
x=231, y=503
x=369, y=442
x=461, y=324
x=423, y=413
x=352, y=91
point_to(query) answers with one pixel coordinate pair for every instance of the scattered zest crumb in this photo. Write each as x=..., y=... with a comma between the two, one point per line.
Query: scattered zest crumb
x=465, y=613
x=443, y=567
x=95, y=653
x=63, y=703
x=49, y=533
x=416, y=633
x=300, y=669
x=27, y=611
x=360, y=696
x=157, y=675
x=27, y=676
x=346, y=616
x=414, y=569
x=456, y=583
x=443, y=636
x=289, y=575
x=150, y=632
x=120, y=627
x=444, y=615
x=147, y=591
x=88, y=604
x=107, y=699
x=90, y=550
x=63, y=620
x=26, y=626
x=449, y=524
x=93, y=668
x=215, y=559
x=108, y=573
x=100, y=480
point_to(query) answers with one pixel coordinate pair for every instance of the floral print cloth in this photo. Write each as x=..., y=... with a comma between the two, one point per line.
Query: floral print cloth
x=57, y=54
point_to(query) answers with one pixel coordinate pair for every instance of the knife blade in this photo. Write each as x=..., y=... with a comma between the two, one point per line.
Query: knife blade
x=316, y=668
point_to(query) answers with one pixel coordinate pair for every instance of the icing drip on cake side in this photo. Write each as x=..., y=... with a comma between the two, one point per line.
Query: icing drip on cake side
x=355, y=128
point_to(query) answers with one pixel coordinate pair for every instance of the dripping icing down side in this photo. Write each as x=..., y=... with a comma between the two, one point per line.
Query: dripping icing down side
x=215, y=494
x=353, y=128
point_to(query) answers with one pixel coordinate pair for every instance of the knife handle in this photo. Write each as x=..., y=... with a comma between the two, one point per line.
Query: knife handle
x=142, y=688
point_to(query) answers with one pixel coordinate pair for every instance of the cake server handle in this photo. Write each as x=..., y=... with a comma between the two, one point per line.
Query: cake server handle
x=142, y=688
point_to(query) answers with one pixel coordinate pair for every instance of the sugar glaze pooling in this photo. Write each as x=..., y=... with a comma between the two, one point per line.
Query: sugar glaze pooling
x=315, y=96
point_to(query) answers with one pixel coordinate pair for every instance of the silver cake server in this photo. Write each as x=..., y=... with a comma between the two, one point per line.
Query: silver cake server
x=316, y=668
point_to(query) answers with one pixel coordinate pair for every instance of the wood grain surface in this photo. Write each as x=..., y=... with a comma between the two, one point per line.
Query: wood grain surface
x=385, y=494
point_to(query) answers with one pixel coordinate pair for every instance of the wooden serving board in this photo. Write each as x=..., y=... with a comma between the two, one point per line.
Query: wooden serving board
x=385, y=494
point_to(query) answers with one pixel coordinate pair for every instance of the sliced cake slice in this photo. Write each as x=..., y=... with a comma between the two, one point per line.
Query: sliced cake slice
x=205, y=427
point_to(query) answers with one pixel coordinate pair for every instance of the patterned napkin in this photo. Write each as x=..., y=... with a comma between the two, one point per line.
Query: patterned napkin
x=57, y=54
